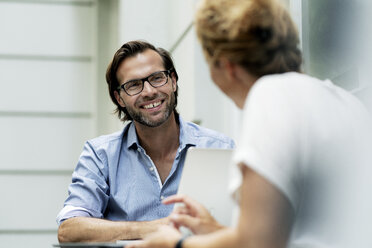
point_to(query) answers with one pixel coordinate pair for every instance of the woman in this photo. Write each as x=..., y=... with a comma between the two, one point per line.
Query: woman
x=299, y=178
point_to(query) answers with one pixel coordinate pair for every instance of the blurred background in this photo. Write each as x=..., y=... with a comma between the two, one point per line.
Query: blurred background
x=53, y=94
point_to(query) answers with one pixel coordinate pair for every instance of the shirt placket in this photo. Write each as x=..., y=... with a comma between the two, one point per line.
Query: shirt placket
x=153, y=170
x=151, y=167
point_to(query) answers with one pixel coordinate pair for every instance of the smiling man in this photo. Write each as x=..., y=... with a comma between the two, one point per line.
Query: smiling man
x=121, y=179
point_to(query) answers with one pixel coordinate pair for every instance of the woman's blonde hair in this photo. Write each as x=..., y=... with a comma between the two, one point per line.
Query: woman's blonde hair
x=256, y=34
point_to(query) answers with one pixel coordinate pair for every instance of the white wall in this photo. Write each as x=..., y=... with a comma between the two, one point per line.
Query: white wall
x=47, y=111
x=336, y=39
x=107, y=40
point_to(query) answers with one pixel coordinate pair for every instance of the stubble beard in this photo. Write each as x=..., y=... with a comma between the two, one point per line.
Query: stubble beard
x=142, y=119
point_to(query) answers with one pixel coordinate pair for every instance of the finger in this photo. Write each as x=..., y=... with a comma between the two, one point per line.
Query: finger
x=184, y=220
x=180, y=210
x=173, y=199
x=190, y=203
x=174, y=225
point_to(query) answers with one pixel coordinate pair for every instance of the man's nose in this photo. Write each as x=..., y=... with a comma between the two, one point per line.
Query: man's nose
x=147, y=88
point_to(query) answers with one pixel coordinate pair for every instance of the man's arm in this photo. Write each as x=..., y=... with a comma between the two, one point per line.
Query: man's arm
x=87, y=229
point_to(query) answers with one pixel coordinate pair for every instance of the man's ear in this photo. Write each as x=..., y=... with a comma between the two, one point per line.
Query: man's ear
x=174, y=81
x=119, y=99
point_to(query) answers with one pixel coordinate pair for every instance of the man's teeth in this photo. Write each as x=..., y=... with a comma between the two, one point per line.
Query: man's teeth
x=152, y=105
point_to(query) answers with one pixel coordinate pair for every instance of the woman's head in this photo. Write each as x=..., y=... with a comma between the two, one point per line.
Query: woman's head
x=258, y=35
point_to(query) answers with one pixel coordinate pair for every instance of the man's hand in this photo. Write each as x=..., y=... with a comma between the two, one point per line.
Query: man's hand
x=165, y=237
x=156, y=225
x=191, y=215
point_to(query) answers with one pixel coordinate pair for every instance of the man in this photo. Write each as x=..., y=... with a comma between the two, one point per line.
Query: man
x=121, y=179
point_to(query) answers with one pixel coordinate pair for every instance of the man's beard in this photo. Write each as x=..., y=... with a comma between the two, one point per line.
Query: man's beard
x=140, y=118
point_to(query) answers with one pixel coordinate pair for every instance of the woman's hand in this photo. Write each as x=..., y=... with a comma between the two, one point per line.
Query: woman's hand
x=192, y=215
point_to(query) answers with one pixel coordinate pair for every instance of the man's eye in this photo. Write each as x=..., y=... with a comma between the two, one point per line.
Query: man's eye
x=157, y=78
x=133, y=84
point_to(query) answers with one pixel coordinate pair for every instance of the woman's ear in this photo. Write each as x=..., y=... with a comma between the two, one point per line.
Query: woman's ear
x=229, y=67
x=119, y=99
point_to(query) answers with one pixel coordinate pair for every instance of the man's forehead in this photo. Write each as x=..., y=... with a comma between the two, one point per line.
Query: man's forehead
x=140, y=65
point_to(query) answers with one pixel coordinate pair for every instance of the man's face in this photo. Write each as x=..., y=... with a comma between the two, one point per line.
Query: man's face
x=153, y=106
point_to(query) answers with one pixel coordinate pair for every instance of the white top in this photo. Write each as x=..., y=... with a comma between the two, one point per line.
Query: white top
x=309, y=139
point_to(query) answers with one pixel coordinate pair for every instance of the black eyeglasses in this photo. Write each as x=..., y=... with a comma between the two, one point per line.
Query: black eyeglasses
x=135, y=86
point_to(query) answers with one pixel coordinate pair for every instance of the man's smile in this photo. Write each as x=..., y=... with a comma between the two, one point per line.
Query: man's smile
x=152, y=105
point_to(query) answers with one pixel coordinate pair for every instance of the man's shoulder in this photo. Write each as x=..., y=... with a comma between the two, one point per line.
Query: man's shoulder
x=206, y=137
x=107, y=140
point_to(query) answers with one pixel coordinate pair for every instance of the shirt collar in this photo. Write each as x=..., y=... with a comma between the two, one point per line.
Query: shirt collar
x=187, y=137
x=132, y=139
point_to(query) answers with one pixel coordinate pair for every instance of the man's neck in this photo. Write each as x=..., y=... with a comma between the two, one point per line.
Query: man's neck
x=159, y=141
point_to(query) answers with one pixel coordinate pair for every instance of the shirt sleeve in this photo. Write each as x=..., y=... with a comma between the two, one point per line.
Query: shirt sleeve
x=69, y=211
x=89, y=191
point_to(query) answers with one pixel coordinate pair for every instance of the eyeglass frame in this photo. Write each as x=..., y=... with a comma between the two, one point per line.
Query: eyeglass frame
x=145, y=79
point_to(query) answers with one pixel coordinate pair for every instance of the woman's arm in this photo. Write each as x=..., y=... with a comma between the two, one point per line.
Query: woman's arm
x=265, y=221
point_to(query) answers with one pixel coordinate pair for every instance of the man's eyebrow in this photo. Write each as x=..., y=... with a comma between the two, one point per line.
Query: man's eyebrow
x=134, y=79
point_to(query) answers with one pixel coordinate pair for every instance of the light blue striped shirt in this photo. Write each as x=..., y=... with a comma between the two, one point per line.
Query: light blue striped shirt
x=115, y=179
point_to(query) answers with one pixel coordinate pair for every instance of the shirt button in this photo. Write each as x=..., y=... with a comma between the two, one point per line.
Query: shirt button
x=162, y=197
x=151, y=168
